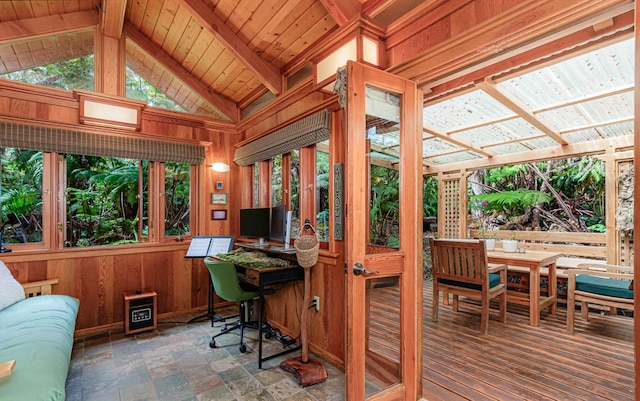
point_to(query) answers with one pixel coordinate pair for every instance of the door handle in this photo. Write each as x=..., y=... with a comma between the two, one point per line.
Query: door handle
x=358, y=269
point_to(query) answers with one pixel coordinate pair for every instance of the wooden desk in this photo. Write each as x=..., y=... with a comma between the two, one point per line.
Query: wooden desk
x=261, y=277
x=532, y=260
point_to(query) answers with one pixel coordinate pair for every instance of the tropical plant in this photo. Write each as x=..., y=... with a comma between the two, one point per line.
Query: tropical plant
x=384, y=204
x=512, y=202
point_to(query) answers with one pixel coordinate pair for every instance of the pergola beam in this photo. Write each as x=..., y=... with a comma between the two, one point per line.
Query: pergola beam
x=556, y=152
x=488, y=87
x=436, y=132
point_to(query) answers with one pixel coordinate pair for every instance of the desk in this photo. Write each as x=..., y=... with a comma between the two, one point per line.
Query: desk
x=532, y=260
x=261, y=277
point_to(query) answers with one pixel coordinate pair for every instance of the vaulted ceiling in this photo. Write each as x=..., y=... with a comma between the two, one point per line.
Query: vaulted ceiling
x=217, y=57
x=210, y=56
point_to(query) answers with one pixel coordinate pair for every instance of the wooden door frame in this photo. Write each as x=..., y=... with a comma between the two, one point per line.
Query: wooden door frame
x=358, y=76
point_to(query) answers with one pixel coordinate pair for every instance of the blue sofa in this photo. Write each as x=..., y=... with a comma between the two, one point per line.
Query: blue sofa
x=37, y=333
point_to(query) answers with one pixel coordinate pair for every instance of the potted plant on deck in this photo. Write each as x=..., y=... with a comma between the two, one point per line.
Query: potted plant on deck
x=510, y=244
x=489, y=238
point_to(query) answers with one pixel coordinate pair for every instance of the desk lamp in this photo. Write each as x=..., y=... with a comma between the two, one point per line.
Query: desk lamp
x=307, y=371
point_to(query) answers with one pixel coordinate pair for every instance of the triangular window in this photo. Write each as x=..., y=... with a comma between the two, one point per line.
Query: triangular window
x=140, y=89
x=71, y=74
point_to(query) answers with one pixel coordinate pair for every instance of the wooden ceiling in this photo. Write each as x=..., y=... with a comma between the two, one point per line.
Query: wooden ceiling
x=210, y=56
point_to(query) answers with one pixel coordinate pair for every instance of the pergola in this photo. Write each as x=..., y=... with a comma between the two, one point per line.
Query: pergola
x=574, y=103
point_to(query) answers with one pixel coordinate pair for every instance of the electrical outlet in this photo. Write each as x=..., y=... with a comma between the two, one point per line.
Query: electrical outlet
x=316, y=303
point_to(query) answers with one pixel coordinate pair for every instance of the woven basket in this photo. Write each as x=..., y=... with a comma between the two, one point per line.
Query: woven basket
x=307, y=250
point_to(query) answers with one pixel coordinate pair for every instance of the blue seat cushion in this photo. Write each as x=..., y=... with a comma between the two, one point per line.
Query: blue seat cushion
x=494, y=279
x=604, y=286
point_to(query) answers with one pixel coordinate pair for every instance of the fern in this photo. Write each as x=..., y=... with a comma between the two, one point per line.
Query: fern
x=512, y=200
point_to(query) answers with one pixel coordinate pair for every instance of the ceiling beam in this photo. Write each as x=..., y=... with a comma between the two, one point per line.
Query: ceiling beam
x=557, y=152
x=224, y=105
x=438, y=133
x=488, y=87
x=113, y=17
x=342, y=10
x=33, y=28
x=266, y=72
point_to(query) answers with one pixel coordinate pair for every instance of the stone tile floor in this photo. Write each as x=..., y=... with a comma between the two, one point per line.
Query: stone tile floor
x=174, y=363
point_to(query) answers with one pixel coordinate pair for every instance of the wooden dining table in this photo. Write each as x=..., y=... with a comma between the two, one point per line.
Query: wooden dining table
x=534, y=261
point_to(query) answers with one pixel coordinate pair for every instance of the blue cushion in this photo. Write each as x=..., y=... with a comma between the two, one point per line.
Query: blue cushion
x=494, y=279
x=604, y=286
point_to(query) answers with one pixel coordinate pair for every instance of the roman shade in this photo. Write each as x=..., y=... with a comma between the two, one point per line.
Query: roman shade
x=305, y=132
x=49, y=139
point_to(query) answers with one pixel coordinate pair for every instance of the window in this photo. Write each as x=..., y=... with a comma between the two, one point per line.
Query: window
x=295, y=194
x=322, y=192
x=256, y=184
x=276, y=181
x=102, y=201
x=138, y=88
x=66, y=75
x=21, y=195
x=177, y=198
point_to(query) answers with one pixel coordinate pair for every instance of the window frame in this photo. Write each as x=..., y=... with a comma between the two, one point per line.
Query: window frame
x=54, y=184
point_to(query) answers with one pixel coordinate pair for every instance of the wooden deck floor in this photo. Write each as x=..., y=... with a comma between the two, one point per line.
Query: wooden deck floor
x=518, y=362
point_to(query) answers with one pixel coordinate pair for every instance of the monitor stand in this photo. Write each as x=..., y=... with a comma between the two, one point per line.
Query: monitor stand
x=262, y=243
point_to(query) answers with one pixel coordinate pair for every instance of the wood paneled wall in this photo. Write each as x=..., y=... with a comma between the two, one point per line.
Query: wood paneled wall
x=99, y=277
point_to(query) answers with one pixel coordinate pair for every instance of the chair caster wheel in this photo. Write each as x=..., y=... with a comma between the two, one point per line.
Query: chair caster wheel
x=243, y=348
x=212, y=343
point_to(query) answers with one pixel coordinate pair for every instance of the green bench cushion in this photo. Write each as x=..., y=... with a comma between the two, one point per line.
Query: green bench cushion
x=604, y=286
x=494, y=279
x=38, y=333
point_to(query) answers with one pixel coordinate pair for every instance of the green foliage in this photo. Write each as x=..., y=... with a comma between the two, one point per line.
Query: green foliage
x=597, y=228
x=384, y=204
x=67, y=75
x=138, y=88
x=505, y=176
x=21, y=192
x=78, y=73
x=177, y=198
x=511, y=201
x=430, y=196
x=102, y=200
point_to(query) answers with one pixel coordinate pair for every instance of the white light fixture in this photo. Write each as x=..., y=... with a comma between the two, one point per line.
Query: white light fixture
x=109, y=111
x=359, y=41
x=220, y=167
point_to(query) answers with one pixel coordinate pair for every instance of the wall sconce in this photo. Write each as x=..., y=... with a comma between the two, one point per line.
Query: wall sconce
x=220, y=167
x=109, y=111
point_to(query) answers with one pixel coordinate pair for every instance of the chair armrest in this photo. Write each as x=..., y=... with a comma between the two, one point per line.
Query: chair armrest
x=7, y=367
x=601, y=273
x=494, y=267
x=603, y=267
x=39, y=287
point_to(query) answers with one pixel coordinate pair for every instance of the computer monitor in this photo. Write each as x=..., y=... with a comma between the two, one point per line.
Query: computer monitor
x=280, y=230
x=255, y=223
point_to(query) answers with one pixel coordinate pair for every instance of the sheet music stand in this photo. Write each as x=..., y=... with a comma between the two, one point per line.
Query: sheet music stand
x=201, y=247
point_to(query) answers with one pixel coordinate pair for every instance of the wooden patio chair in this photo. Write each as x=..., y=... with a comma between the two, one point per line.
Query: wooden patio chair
x=606, y=285
x=460, y=267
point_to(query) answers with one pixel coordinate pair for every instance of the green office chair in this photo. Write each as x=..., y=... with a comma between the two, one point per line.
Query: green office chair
x=226, y=284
